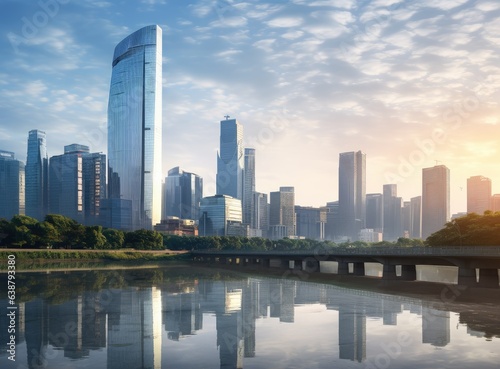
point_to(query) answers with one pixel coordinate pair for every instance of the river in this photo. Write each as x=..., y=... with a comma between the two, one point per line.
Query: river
x=183, y=317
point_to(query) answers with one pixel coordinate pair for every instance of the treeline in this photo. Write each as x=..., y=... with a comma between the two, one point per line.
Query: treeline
x=57, y=231
x=262, y=244
x=470, y=230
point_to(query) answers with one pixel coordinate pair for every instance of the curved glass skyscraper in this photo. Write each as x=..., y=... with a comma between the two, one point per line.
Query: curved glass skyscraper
x=134, y=131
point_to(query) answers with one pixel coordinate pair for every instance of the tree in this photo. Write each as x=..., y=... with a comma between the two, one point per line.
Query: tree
x=114, y=238
x=143, y=239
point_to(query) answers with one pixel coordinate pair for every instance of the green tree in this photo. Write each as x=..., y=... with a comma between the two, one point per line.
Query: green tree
x=143, y=239
x=114, y=238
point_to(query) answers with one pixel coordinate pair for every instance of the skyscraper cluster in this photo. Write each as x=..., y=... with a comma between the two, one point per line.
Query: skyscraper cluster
x=126, y=190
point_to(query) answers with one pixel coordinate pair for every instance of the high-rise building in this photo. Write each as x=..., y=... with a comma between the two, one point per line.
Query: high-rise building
x=135, y=127
x=352, y=192
x=393, y=222
x=406, y=215
x=478, y=194
x=435, y=199
x=495, y=202
x=182, y=195
x=11, y=185
x=37, y=175
x=230, y=159
x=282, y=209
x=261, y=211
x=332, y=228
x=217, y=213
x=416, y=217
x=77, y=184
x=310, y=222
x=249, y=188
x=375, y=212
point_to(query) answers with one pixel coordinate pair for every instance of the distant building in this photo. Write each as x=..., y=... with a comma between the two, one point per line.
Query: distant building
x=495, y=202
x=249, y=188
x=282, y=209
x=416, y=217
x=182, y=194
x=178, y=227
x=406, y=223
x=352, y=192
x=310, y=222
x=261, y=211
x=393, y=215
x=277, y=232
x=332, y=227
x=12, y=183
x=369, y=235
x=216, y=212
x=37, y=176
x=435, y=199
x=116, y=213
x=458, y=215
x=478, y=194
x=230, y=159
x=375, y=212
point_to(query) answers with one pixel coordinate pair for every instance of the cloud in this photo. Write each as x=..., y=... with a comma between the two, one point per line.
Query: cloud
x=285, y=22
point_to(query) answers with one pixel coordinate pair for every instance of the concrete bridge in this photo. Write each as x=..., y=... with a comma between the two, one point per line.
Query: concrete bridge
x=467, y=259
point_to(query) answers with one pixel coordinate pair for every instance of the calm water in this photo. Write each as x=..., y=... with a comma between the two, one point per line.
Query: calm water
x=186, y=318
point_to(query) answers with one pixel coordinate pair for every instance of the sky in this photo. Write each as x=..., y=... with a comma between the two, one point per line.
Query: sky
x=410, y=83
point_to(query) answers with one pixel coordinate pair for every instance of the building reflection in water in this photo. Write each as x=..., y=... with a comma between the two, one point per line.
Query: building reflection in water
x=130, y=324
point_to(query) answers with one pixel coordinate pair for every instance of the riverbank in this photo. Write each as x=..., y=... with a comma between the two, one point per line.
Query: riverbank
x=29, y=258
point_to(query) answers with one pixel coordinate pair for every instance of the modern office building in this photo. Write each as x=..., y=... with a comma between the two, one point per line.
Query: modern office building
x=182, y=194
x=135, y=126
x=352, y=193
x=77, y=184
x=249, y=188
x=435, y=199
x=12, y=182
x=495, y=202
x=478, y=194
x=37, y=175
x=261, y=211
x=230, y=159
x=282, y=209
x=416, y=217
x=310, y=222
x=216, y=212
x=406, y=222
x=393, y=222
x=375, y=212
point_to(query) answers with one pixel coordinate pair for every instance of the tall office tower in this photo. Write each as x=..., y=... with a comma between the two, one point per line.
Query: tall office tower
x=182, y=195
x=217, y=213
x=230, y=159
x=66, y=182
x=249, y=188
x=375, y=212
x=282, y=209
x=37, y=176
x=416, y=217
x=94, y=186
x=478, y=194
x=406, y=216
x=332, y=228
x=135, y=129
x=435, y=199
x=261, y=211
x=392, y=213
x=12, y=179
x=352, y=192
x=310, y=222
x=495, y=202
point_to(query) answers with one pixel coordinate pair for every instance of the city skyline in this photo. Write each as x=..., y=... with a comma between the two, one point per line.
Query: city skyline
x=308, y=81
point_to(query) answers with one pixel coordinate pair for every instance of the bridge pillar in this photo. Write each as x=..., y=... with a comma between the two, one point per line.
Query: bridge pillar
x=343, y=268
x=488, y=278
x=467, y=276
x=284, y=264
x=389, y=271
x=359, y=268
x=297, y=264
x=312, y=265
x=409, y=272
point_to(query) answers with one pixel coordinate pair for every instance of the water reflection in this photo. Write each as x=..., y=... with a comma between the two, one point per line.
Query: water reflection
x=155, y=322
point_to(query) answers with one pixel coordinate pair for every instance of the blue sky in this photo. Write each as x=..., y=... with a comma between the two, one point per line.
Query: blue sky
x=409, y=83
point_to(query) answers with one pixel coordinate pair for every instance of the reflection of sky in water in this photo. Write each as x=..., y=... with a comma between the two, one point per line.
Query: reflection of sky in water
x=251, y=323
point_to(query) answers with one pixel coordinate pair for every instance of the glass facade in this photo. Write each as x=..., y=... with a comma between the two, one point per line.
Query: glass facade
x=215, y=213
x=135, y=125
x=230, y=159
x=182, y=194
x=435, y=199
x=282, y=209
x=37, y=175
x=249, y=188
x=11, y=185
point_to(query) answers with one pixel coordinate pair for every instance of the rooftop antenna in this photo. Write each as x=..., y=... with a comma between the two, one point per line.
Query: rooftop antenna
x=227, y=117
